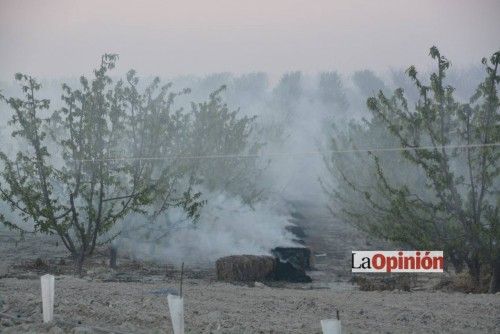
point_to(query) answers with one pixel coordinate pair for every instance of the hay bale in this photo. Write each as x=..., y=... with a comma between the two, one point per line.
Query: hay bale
x=245, y=268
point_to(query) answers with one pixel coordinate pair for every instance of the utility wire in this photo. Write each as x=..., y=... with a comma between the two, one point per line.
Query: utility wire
x=284, y=154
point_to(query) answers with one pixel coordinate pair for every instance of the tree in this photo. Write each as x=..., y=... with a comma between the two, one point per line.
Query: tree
x=288, y=93
x=368, y=82
x=331, y=91
x=105, y=136
x=227, y=145
x=453, y=146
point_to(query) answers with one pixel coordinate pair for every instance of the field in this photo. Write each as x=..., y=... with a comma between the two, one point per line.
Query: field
x=274, y=163
x=132, y=298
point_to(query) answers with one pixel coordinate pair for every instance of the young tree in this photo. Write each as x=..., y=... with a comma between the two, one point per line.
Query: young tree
x=105, y=136
x=455, y=148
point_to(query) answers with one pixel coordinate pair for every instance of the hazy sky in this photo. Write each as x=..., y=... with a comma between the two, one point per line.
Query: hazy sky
x=67, y=37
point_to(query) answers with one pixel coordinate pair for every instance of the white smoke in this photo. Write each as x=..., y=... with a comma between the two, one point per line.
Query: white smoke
x=225, y=227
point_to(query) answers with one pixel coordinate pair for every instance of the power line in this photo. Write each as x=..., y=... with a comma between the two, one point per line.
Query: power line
x=284, y=154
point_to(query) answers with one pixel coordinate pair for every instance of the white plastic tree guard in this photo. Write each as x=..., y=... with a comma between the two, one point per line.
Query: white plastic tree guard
x=331, y=326
x=176, y=307
x=47, y=282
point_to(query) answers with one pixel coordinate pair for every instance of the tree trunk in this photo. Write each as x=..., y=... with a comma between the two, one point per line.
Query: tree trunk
x=495, y=276
x=112, y=257
x=79, y=259
x=475, y=270
x=457, y=262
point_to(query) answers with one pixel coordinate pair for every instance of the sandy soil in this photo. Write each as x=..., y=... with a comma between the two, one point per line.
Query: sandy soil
x=132, y=299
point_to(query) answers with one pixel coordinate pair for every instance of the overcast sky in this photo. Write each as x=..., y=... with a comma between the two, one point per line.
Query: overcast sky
x=66, y=37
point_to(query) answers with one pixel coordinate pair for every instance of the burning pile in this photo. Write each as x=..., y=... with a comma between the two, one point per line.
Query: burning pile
x=299, y=257
x=287, y=264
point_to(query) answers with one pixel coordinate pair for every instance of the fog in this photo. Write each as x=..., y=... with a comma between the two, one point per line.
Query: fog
x=296, y=76
x=62, y=38
x=249, y=192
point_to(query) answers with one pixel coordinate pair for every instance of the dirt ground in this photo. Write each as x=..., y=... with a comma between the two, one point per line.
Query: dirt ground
x=213, y=307
x=132, y=298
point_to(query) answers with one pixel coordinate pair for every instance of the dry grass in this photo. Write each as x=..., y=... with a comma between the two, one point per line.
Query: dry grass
x=463, y=282
x=402, y=282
